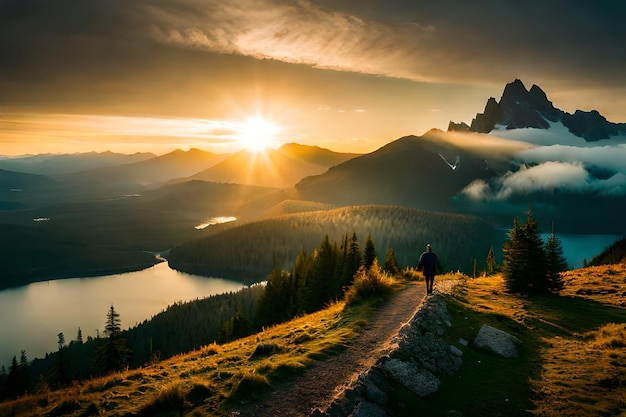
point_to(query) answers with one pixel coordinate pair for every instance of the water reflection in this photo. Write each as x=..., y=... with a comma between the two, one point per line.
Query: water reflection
x=32, y=316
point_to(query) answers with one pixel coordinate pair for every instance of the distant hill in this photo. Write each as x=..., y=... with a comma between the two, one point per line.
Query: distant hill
x=521, y=108
x=18, y=190
x=152, y=171
x=54, y=164
x=281, y=168
x=421, y=172
x=614, y=254
x=250, y=251
x=108, y=236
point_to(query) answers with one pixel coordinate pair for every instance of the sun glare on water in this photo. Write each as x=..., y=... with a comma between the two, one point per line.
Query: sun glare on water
x=257, y=134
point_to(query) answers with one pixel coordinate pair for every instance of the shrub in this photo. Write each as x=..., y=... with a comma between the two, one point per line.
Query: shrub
x=248, y=385
x=369, y=283
x=172, y=398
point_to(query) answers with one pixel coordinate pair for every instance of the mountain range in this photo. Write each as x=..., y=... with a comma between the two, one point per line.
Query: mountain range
x=520, y=108
x=573, y=178
x=281, y=167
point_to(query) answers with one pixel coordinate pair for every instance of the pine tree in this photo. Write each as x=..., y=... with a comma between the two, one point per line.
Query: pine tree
x=113, y=354
x=391, y=265
x=536, y=269
x=353, y=261
x=556, y=262
x=61, y=342
x=514, y=258
x=524, y=264
x=369, y=254
x=18, y=380
x=322, y=285
x=492, y=264
x=275, y=305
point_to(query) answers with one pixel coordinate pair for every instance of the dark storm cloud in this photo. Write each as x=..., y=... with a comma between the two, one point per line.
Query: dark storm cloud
x=116, y=43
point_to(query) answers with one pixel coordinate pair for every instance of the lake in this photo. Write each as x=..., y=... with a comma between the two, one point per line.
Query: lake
x=577, y=248
x=32, y=316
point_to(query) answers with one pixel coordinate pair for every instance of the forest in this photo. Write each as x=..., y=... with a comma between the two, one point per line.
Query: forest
x=250, y=251
x=318, y=278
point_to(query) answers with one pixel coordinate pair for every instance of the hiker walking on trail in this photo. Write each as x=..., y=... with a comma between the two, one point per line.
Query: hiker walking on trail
x=428, y=265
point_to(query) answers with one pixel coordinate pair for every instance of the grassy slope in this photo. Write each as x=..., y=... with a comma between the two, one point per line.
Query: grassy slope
x=571, y=361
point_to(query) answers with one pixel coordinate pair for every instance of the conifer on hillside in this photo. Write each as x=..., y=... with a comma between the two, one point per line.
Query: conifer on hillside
x=113, y=354
x=556, y=262
x=369, y=254
x=529, y=266
x=391, y=265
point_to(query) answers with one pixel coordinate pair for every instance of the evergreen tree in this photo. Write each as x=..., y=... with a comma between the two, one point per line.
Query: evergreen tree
x=536, y=269
x=113, y=354
x=556, y=262
x=514, y=258
x=524, y=264
x=235, y=328
x=322, y=285
x=353, y=261
x=61, y=342
x=276, y=303
x=492, y=264
x=79, y=336
x=3, y=382
x=369, y=254
x=301, y=276
x=18, y=380
x=391, y=265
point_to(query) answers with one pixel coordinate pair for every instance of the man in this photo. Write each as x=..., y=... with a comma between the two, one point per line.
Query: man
x=428, y=265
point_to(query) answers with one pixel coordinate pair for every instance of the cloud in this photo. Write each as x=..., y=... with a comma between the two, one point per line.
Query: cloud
x=611, y=158
x=547, y=177
x=303, y=33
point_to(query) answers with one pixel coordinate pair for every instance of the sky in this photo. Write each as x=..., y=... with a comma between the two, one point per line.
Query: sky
x=351, y=76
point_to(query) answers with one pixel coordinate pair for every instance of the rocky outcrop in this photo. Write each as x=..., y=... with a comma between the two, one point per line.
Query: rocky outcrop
x=521, y=108
x=417, y=359
x=496, y=341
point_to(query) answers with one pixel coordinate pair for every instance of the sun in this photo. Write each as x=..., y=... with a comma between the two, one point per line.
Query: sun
x=258, y=133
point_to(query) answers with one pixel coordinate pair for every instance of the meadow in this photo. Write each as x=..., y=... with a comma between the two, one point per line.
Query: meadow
x=572, y=360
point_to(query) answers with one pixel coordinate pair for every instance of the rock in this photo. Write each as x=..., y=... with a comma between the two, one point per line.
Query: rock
x=458, y=127
x=456, y=351
x=410, y=375
x=497, y=341
x=368, y=409
x=375, y=385
x=519, y=108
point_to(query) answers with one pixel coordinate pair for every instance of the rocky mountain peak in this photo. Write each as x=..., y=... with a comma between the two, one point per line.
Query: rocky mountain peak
x=520, y=108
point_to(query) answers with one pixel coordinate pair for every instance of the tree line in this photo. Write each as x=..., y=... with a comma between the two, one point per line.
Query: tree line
x=252, y=250
x=316, y=279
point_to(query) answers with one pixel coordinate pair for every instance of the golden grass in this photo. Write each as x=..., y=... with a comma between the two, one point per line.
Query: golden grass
x=202, y=381
x=578, y=372
x=581, y=373
x=584, y=376
x=605, y=284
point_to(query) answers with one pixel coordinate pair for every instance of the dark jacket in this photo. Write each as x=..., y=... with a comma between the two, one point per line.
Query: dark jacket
x=428, y=263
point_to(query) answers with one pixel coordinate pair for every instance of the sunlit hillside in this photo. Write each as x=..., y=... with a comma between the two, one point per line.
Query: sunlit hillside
x=251, y=250
x=281, y=167
x=571, y=362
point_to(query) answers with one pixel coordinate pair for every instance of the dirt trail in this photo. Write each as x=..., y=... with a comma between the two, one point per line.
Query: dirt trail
x=318, y=385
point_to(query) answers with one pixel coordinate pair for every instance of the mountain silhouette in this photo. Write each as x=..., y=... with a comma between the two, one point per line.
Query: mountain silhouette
x=414, y=171
x=521, y=108
x=153, y=171
x=281, y=167
x=55, y=164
